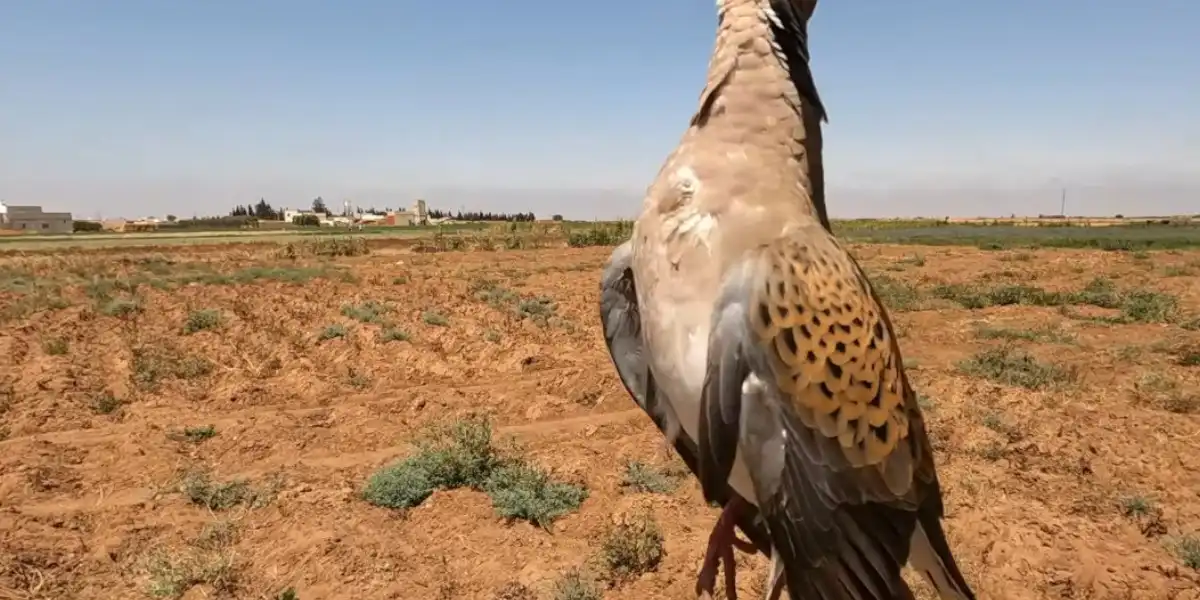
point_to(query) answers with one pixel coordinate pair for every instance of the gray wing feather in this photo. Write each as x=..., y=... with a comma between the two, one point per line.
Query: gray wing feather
x=839, y=534
x=622, y=322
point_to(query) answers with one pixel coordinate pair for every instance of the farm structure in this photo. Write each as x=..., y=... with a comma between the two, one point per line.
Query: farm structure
x=33, y=219
x=417, y=214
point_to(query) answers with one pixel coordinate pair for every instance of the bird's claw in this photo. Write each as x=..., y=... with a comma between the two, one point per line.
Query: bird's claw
x=721, y=543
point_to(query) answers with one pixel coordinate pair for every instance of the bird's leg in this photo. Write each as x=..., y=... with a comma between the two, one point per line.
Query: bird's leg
x=721, y=543
x=775, y=579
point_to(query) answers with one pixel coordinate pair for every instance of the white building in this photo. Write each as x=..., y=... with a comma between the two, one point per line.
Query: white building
x=290, y=214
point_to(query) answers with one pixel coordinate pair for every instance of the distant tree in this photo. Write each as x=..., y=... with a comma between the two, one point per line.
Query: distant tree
x=435, y=213
x=79, y=226
x=264, y=211
x=172, y=218
x=557, y=217
x=318, y=206
x=306, y=220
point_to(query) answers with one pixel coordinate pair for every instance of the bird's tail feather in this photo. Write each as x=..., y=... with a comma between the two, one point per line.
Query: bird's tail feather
x=930, y=556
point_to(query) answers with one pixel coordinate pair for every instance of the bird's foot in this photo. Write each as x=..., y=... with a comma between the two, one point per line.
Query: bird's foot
x=721, y=543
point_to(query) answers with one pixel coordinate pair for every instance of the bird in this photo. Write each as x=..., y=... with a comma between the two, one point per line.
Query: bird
x=757, y=344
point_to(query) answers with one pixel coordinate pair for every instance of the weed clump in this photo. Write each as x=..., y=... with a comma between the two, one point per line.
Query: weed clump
x=55, y=346
x=523, y=491
x=393, y=334
x=331, y=332
x=633, y=547
x=121, y=307
x=539, y=309
x=1015, y=367
x=1162, y=392
x=202, y=320
x=897, y=295
x=200, y=489
x=576, y=585
x=437, y=319
x=514, y=590
x=641, y=477
x=367, y=312
x=463, y=454
x=207, y=560
x=1187, y=548
x=106, y=404
x=325, y=246
x=152, y=365
x=193, y=434
x=172, y=576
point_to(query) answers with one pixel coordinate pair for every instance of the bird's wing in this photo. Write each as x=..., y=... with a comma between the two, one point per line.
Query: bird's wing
x=804, y=375
x=621, y=320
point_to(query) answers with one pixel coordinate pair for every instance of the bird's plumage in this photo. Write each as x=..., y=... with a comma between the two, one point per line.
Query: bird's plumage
x=805, y=378
x=755, y=342
x=621, y=321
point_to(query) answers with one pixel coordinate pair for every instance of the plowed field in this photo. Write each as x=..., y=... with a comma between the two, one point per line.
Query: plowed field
x=202, y=422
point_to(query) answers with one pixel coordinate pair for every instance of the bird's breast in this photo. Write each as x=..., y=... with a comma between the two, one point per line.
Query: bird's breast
x=678, y=347
x=682, y=295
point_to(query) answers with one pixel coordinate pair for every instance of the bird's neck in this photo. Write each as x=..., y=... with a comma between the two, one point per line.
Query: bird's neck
x=760, y=93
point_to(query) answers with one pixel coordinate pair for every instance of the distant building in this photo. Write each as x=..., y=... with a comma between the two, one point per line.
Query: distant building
x=141, y=225
x=290, y=214
x=417, y=215
x=117, y=225
x=33, y=219
x=401, y=218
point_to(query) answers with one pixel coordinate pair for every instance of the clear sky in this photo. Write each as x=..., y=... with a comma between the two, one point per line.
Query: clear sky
x=937, y=107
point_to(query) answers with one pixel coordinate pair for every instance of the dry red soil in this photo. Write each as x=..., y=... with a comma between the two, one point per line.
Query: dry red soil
x=1037, y=483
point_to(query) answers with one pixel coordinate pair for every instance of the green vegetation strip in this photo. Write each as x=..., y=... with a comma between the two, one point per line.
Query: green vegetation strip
x=115, y=292
x=999, y=237
x=1134, y=306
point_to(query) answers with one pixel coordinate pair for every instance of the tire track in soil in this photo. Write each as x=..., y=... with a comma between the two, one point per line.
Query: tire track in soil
x=321, y=461
x=99, y=435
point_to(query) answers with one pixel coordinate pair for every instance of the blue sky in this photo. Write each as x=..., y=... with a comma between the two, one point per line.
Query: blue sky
x=937, y=107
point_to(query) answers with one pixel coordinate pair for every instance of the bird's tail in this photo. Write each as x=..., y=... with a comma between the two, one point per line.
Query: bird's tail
x=930, y=555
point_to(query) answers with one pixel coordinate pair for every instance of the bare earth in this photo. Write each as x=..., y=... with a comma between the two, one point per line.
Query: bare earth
x=1087, y=489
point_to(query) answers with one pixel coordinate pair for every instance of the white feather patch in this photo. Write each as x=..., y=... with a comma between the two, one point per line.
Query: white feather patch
x=684, y=219
x=772, y=16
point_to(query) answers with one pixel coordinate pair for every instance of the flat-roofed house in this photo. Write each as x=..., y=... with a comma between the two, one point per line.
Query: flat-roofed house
x=34, y=219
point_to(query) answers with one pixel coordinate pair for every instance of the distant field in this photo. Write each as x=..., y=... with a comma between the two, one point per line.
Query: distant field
x=574, y=233
x=172, y=238
x=985, y=235
x=1117, y=237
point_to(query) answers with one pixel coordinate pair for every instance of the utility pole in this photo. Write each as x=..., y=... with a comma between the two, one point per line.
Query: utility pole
x=1062, y=207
